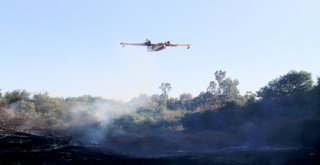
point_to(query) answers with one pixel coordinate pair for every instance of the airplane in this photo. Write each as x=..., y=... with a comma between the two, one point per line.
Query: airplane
x=155, y=46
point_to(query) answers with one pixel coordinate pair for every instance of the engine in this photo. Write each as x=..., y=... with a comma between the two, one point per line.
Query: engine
x=148, y=42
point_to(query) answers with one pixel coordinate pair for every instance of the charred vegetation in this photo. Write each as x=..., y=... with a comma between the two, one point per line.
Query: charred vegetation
x=278, y=124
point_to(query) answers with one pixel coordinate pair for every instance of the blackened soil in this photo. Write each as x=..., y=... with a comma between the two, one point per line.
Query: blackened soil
x=23, y=148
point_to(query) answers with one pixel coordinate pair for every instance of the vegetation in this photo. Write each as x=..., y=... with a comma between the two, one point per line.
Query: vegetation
x=284, y=113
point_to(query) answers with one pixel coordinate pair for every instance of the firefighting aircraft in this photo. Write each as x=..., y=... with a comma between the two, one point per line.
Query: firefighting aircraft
x=155, y=46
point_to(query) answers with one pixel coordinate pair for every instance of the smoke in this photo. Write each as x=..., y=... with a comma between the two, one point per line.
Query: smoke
x=89, y=122
x=85, y=121
x=11, y=118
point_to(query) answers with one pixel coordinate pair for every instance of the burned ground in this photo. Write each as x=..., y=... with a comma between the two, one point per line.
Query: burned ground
x=24, y=148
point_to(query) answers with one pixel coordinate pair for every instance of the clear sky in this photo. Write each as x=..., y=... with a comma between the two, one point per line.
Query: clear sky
x=71, y=47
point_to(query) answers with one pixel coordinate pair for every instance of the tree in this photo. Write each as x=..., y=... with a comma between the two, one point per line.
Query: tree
x=26, y=108
x=1, y=99
x=20, y=102
x=204, y=101
x=318, y=82
x=220, y=92
x=165, y=88
x=250, y=97
x=173, y=104
x=227, y=90
x=16, y=95
x=223, y=90
x=291, y=84
x=212, y=88
x=185, y=100
x=45, y=104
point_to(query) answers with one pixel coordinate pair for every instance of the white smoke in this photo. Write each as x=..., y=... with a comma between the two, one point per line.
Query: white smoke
x=89, y=122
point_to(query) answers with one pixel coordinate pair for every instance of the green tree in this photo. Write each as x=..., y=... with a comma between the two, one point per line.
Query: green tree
x=51, y=109
x=204, y=101
x=318, y=84
x=223, y=90
x=250, y=97
x=83, y=100
x=16, y=95
x=212, y=88
x=165, y=88
x=293, y=83
x=185, y=100
x=46, y=104
x=228, y=89
x=26, y=108
x=173, y=104
x=20, y=101
x=2, y=101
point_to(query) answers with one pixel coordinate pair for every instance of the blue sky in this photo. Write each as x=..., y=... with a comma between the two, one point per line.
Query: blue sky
x=71, y=48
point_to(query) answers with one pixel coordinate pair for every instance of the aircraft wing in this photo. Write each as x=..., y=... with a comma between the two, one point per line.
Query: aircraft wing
x=134, y=44
x=188, y=45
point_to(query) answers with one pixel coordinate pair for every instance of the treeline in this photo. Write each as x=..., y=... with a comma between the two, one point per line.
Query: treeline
x=19, y=110
x=285, y=112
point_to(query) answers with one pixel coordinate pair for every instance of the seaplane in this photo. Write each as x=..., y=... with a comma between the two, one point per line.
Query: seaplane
x=154, y=46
